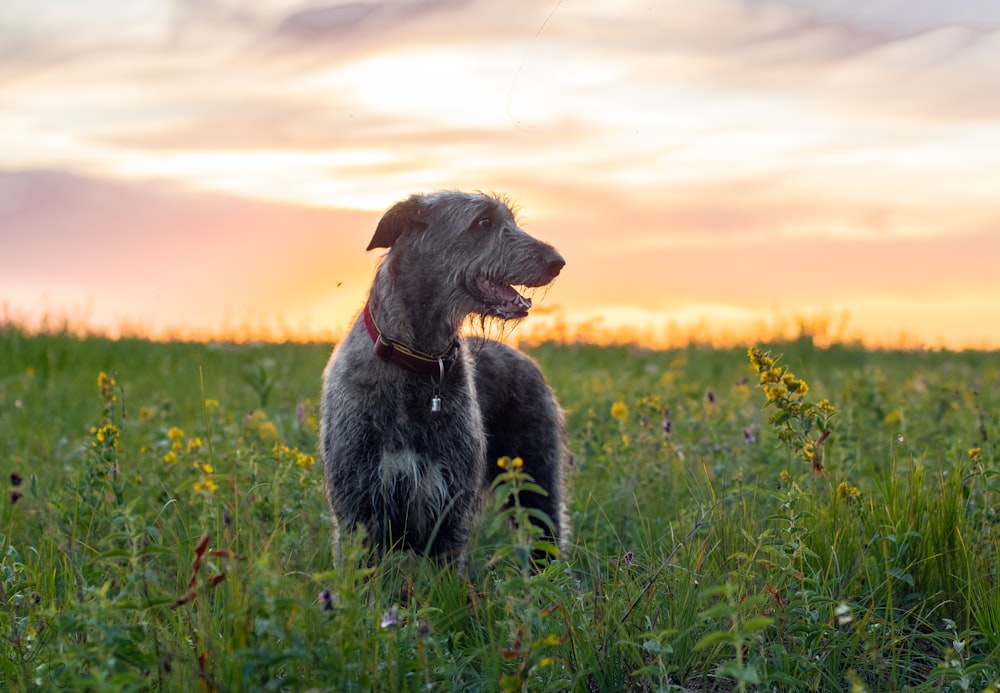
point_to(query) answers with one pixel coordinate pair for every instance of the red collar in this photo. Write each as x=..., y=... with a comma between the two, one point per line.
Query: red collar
x=398, y=353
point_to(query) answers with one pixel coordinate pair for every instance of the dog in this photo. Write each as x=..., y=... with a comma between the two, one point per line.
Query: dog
x=415, y=416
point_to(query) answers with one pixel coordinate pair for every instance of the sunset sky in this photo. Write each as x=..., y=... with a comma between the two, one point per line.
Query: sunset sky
x=716, y=168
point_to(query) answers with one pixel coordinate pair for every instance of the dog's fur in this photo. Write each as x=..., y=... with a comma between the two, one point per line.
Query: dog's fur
x=414, y=478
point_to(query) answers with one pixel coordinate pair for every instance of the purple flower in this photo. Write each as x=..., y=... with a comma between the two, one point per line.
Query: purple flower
x=327, y=600
x=390, y=618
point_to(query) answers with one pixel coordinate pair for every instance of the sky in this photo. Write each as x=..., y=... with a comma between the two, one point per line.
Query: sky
x=719, y=170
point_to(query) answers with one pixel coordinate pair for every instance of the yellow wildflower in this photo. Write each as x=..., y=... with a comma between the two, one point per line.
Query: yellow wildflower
x=808, y=450
x=893, y=417
x=848, y=491
x=106, y=386
x=304, y=460
x=771, y=375
x=619, y=410
x=211, y=405
x=759, y=359
x=175, y=433
x=170, y=457
x=786, y=478
x=775, y=392
x=267, y=430
x=107, y=433
x=146, y=414
x=206, y=485
x=194, y=444
x=264, y=429
x=975, y=454
x=507, y=463
x=798, y=387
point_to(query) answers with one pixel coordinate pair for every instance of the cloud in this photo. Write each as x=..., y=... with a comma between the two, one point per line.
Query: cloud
x=346, y=21
x=174, y=258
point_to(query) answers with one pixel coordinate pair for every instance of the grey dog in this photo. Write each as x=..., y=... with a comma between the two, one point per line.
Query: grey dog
x=415, y=416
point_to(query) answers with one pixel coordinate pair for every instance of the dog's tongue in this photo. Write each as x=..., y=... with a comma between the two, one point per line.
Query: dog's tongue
x=507, y=304
x=510, y=296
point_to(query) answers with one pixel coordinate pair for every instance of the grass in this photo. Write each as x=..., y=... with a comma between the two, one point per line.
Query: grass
x=164, y=528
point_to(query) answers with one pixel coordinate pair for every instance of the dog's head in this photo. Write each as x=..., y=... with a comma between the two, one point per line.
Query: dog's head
x=468, y=243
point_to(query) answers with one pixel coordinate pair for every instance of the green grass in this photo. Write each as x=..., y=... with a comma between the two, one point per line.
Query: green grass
x=711, y=557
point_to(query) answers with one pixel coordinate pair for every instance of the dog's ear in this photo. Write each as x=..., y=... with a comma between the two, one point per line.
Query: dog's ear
x=402, y=217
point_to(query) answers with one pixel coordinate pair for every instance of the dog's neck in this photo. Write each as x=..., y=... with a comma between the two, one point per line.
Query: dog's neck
x=408, y=308
x=401, y=354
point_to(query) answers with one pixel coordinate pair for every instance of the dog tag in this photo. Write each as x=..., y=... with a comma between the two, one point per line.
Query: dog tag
x=436, y=398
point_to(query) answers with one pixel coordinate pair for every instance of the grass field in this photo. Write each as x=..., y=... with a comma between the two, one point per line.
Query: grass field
x=164, y=528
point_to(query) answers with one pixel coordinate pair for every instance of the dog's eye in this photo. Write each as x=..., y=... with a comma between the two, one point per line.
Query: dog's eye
x=485, y=223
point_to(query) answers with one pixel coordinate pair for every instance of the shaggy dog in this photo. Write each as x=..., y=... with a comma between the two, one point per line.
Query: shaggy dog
x=415, y=416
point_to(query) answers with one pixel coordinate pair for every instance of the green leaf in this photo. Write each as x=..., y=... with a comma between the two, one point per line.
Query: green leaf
x=755, y=624
x=719, y=636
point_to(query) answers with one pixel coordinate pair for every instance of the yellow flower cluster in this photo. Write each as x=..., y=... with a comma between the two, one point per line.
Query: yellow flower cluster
x=775, y=392
x=760, y=359
x=976, y=454
x=808, y=450
x=302, y=460
x=106, y=386
x=796, y=385
x=619, y=410
x=777, y=382
x=259, y=425
x=509, y=464
x=801, y=425
x=846, y=491
x=106, y=436
x=176, y=435
x=193, y=445
x=206, y=485
x=893, y=417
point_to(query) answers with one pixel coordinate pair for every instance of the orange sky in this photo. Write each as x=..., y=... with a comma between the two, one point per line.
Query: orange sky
x=720, y=168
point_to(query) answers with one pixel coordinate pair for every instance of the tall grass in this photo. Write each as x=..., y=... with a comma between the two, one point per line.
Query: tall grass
x=164, y=528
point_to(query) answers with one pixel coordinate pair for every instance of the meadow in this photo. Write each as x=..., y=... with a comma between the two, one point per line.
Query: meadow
x=794, y=518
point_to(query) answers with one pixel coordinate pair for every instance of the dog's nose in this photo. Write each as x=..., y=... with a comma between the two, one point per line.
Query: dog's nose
x=554, y=262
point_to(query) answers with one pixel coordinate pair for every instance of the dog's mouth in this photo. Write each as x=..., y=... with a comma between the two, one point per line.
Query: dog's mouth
x=500, y=299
